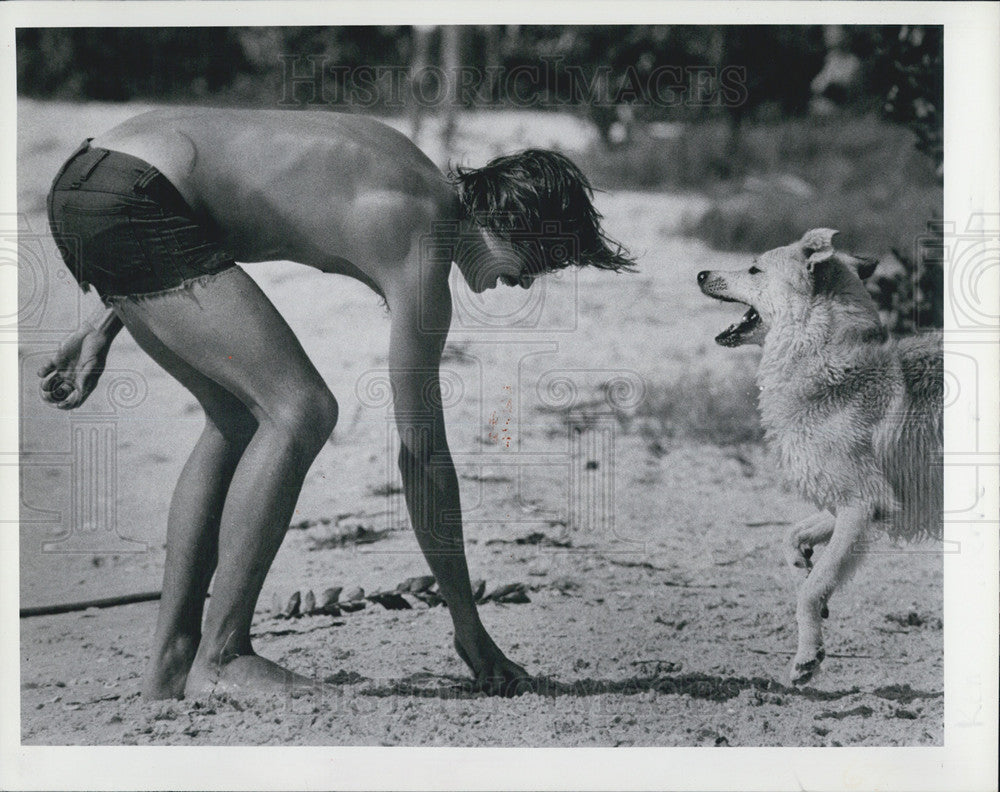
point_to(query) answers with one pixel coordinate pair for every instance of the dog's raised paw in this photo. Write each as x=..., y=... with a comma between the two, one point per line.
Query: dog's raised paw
x=799, y=556
x=804, y=670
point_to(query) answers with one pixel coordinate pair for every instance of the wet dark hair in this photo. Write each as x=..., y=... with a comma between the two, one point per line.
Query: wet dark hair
x=542, y=202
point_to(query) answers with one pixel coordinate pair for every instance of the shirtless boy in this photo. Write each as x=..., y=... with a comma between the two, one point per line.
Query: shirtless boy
x=154, y=213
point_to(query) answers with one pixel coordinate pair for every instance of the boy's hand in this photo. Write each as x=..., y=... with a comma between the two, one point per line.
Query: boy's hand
x=496, y=675
x=71, y=375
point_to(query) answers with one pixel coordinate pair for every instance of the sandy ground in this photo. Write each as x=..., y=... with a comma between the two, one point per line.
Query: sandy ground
x=660, y=611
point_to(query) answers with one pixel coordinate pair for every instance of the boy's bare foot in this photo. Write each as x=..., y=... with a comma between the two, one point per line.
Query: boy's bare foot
x=245, y=674
x=167, y=674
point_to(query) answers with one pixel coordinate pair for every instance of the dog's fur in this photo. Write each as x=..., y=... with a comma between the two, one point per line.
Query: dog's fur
x=856, y=418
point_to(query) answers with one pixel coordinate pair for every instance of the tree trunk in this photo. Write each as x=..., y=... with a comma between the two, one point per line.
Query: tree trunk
x=451, y=56
x=419, y=58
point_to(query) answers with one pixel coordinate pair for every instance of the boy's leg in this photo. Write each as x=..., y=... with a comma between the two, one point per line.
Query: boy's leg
x=229, y=332
x=193, y=522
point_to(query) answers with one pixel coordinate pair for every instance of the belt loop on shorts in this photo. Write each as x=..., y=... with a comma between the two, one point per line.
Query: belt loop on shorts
x=97, y=161
x=97, y=156
x=146, y=179
x=81, y=149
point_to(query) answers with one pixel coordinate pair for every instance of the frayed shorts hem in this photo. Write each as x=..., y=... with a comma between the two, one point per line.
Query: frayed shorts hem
x=185, y=287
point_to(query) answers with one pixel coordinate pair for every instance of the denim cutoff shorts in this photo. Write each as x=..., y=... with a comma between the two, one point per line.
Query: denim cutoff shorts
x=124, y=229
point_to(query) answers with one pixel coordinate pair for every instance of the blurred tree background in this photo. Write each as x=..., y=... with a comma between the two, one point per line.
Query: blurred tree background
x=786, y=127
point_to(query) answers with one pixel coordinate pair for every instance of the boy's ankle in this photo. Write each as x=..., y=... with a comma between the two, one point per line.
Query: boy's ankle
x=179, y=644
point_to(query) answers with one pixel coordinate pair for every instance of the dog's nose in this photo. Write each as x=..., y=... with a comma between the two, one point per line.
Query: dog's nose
x=702, y=277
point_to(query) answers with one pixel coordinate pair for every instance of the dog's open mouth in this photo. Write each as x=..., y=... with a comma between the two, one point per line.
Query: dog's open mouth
x=733, y=335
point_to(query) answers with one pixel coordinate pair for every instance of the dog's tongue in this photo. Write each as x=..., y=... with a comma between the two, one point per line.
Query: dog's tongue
x=731, y=335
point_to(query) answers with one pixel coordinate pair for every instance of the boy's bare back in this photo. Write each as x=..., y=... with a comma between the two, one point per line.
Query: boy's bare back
x=339, y=192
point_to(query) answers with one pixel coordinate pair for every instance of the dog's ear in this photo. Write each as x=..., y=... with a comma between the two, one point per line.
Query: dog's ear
x=864, y=266
x=817, y=246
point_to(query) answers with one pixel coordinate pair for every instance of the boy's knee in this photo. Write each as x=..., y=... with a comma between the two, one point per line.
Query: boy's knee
x=327, y=412
x=309, y=419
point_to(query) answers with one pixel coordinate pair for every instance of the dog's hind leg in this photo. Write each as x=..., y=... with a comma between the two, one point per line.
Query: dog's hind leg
x=834, y=565
x=804, y=536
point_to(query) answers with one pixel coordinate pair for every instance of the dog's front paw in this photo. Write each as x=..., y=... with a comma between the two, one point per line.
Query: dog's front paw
x=799, y=555
x=804, y=666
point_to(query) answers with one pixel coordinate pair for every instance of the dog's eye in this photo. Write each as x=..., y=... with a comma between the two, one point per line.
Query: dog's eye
x=754, y=270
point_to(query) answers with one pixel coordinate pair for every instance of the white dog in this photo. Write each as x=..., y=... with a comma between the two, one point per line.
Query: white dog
x=856, y=418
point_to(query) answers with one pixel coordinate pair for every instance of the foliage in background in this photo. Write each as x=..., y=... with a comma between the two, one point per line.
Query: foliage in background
x=544, y=65
x=914, y=88
x=119, y=64
x=858, y=175
x=914, y=297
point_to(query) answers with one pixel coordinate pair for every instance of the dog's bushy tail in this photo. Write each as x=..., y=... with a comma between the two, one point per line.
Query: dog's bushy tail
x=914, y=466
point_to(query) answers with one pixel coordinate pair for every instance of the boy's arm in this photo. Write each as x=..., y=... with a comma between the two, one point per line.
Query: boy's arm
x=430, y=483
x=71, y=375
x=429, y=480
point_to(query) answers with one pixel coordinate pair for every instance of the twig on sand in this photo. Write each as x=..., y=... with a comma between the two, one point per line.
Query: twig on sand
x=828, y=654
x=637, y=565
x=336, y=520
x=689, y=585
x=653, y=568
x=280, y=633
x=105, y=602
x=664, y=665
